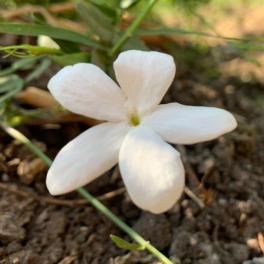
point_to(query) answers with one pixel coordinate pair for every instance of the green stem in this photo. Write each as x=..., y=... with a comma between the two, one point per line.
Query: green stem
x=24, y=140
x=131, y=29
x=91, y=199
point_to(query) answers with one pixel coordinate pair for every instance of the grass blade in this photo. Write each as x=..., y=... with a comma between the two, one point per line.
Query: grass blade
x=53, y=32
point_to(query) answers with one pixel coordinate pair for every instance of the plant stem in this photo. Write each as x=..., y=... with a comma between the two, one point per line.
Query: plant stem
x=130, y=231
x=131, y=29
x=93, y=201
x=24, y=140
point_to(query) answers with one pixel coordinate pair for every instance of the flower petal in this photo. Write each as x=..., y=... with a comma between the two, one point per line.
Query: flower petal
x=85, y=89
x=182, y=124
x=145, y=76
x=151, y=169
x=86, y=157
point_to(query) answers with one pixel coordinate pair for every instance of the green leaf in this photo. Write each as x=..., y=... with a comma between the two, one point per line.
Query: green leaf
x=39, y=70
x=99, y=58
x=129, y=4
x=67, y=46
x=22, y=64
x=69, y=59
x=135, y=43
x=14, y=87
x=178, y=31
x=53, y=32
x=121, y=243
x=25, y=50
x=105, y=8
x=10, y=84
x=247, y=46
x=99, y=23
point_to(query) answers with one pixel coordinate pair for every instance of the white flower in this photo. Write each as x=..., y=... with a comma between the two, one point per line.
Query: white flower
x=134, y=128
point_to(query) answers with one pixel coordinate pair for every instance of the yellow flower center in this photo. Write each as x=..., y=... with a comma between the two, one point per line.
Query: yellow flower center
x=134, y=119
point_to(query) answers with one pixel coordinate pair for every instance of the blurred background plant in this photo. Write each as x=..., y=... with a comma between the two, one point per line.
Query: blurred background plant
x=39, y=33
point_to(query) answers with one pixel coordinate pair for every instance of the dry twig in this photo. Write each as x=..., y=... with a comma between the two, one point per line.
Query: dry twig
x=190, y=172
x=61, y=202
x=195, y=198
x=261, y=241
x=39, y=98
x=46, y=13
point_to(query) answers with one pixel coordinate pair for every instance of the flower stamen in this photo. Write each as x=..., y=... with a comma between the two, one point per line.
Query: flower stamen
x=134, y=119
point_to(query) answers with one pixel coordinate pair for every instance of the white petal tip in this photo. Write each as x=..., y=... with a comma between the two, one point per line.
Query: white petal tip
x=56, y=80
x=167, y=204
x=182, y=124
x=57, y=185
x=85, y=89
x=53, y=186
x=233, y=123
x=159, y=210
x=151, y=169
x=144, y=76
x=229, y=121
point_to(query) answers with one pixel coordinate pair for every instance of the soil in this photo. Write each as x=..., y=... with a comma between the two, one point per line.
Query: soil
x=227, y=174
x=37, y=229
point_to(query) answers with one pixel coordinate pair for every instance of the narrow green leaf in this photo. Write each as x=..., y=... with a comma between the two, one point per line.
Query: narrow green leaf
x=245, y=44
x=67, y=46
x=133, y=27
x=17, y=86
x=22, y=64
x=26, y=50
x=178, y=31
x=39, y=70
x=248, y=46
x=9, y=95
x=129, y=4
x=105, y=8
x=121, y=243
x=135, y=43
x=53, y=32
x=99, y=58
x=99, y=23
x=10, y=84
x=69, y=59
